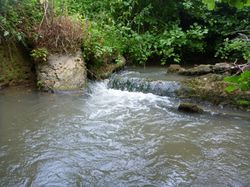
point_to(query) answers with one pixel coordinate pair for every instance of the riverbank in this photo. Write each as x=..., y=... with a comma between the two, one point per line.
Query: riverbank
x=201, y=83
x=16, y=67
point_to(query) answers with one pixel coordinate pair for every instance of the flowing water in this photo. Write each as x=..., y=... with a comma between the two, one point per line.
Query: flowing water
x=108, y=137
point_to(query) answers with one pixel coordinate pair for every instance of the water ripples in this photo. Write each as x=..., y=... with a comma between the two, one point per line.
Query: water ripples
x=110, y=137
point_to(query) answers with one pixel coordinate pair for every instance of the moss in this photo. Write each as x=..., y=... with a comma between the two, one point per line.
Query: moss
x=211, y=88
x=15, y=67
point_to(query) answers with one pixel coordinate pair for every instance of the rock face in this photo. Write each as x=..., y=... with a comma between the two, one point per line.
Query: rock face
x=190, y=108
x=61, y=73
x=15, y=66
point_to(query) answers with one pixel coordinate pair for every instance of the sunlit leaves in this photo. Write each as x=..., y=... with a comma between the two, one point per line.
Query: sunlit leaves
x=235, y=3
x=241, y=82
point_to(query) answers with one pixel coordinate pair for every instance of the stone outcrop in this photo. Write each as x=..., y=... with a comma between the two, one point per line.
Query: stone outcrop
x=61, y=73
x=211, y=87
x=15, y=66
x=219, y=68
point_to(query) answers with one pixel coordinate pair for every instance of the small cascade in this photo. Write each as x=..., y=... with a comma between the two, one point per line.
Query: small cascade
x=138, y=84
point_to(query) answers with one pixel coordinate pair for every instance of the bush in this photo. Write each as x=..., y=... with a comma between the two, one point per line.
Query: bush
x=238, y=48
x=103, y=44
x=17, y=19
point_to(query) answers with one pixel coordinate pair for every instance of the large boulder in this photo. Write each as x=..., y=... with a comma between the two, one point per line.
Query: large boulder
x=62, y=73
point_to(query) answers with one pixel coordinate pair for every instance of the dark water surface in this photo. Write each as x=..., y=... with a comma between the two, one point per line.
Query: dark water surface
x=108, y=137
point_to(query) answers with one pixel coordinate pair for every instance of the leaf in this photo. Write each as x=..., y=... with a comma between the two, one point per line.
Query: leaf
x=232, y=79
x=244, y=86
x=6, y=33
x=210, y=4
x=248, y=3
x=238, y=4
x=19, y=38
x=244, y=102
x=231, y=88
x=245, y=75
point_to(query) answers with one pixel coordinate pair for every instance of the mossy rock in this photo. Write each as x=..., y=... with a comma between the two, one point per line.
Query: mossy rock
x=15, y=65
x=211, y=87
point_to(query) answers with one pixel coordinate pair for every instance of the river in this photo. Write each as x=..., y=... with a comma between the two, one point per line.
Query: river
x=109, y=137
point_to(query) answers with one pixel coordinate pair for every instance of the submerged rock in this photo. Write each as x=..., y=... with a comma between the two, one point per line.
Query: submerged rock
x=62, y=73
x=190, y=108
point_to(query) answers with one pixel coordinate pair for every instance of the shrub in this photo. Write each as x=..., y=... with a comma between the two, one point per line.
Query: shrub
x=238, y=48
x=40, y=55
x=103, y=44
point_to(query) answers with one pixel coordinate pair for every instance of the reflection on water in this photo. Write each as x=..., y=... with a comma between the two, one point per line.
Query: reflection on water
x=116, y=138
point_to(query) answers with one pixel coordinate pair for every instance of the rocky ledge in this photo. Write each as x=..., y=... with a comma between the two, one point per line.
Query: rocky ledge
x=206, y=82
x=219, y=68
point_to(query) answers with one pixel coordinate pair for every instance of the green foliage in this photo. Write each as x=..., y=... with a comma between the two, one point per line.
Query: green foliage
x=244, y=102
x=141, y=47
x=168, y=45
x=103, y=44
x=241, y=82
x=234, y=3
x=17, y=19
x=137, y=29
x=237, y=48
x=40, y=55
x=196, y=35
